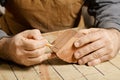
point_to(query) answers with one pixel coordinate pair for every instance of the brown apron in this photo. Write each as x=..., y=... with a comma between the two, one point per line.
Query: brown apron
x=46, y=15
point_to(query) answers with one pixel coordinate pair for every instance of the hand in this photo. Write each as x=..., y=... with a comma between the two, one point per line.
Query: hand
x=26, y=48
x=97, y=45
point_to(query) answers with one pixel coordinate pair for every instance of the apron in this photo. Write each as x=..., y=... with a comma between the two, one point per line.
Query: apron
x=45, y=15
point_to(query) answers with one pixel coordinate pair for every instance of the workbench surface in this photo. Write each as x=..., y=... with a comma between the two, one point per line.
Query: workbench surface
x=56, y=69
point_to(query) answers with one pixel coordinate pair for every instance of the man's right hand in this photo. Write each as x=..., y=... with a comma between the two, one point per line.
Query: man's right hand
x=26, y=48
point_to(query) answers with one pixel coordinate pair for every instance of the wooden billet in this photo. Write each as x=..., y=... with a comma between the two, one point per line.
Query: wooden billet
x=63, y=46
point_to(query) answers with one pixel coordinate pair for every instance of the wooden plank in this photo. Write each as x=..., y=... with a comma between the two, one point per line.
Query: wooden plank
x=116, y=61
x=113, y=76
x=108, y=69
x=90, y=72
x=46, y=72
x=25, y=73
x=51, y=36
x=6, y=72
x=65, y=70
x=21, y=73
x=63, y=46
x=62, y=42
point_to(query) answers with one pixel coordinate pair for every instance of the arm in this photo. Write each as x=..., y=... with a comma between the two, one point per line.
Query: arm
x=102, y=43
x=3, y=35
x=2, y=40
x=26, y=48
x=106, y=13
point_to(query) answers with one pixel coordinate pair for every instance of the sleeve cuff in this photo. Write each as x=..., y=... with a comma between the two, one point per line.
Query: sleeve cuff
x=109, y=25
x=3, y=34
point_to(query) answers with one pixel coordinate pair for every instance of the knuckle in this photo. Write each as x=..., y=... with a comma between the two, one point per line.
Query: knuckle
x=80, y=52
x=96, y=55
x=89, y=48
x=111, y=55
x=85, y=59
x=85, y=50
x=92, y=46
x=36, y=31
x=96, y=44
x=106, y=42
x=109, y=49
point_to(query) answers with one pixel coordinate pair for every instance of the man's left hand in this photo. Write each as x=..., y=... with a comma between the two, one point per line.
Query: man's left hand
x=97, y=45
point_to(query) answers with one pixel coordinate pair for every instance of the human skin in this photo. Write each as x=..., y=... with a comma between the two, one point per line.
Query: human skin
x=97, y=45
x=94, y=47
x=26, y=48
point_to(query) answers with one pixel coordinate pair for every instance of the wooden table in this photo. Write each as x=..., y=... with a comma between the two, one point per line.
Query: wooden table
x=56, y=69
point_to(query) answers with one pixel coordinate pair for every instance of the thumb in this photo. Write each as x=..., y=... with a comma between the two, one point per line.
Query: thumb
x=37, y=34
x=33, y=34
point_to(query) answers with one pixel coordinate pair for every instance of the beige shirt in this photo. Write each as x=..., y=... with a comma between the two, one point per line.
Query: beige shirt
x=46, y=15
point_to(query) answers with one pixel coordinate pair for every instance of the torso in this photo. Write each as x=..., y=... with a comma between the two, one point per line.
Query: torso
x=46, y=15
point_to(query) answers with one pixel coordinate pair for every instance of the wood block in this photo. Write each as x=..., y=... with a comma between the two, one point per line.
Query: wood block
x=63, y=46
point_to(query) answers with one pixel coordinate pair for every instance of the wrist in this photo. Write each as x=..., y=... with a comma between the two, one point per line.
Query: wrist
x=117, y=34
x=3, y=48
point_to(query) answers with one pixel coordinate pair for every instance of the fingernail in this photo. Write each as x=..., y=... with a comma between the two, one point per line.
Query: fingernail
x=80, y=62
x=77, y=44
x=89, y=64
x=77, y=55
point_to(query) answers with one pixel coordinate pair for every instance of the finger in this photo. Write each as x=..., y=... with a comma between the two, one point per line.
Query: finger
x=94, y=62
x=29, y=44
x=83, y=40
x=95, y=55
x=33, y=34
x=87, y=31
x=89, y=48
x=39, y=59
x=35, y=53
x=36, y=34
x=99, y=60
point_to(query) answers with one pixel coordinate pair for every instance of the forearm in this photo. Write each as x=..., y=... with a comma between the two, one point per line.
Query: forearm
x=106, y=13
x=3, y=40
x=2, y=48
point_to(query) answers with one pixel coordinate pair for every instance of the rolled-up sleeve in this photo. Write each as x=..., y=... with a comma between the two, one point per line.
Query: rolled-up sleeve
x=3, y=34
x=106, y=13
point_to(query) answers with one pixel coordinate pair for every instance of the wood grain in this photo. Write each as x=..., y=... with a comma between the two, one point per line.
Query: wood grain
x=57, y=69
x=63, y=46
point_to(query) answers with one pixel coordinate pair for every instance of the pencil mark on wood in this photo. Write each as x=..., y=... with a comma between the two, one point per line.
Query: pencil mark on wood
x=44, y=74
x=56, y=70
